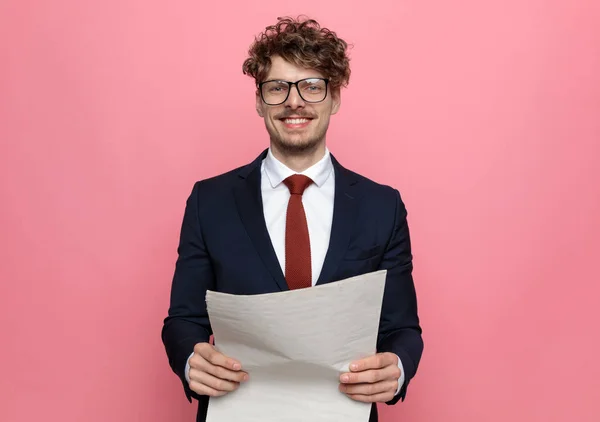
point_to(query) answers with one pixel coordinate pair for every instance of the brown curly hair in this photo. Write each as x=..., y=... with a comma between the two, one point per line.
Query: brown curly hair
x=304, y=43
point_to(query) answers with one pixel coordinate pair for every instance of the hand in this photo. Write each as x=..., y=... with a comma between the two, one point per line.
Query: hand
x=212, y=373
x=373, y=379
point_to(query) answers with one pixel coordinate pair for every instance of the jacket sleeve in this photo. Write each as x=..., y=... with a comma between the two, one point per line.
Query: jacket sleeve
x=187, y=321
x=400, y=331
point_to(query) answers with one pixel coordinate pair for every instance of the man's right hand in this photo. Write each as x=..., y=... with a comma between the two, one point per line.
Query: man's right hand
x=212, y=373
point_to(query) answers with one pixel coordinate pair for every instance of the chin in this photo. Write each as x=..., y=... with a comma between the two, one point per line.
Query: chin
x=297, y=145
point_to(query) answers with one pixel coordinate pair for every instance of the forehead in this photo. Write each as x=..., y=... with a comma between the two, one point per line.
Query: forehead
x=282, y=69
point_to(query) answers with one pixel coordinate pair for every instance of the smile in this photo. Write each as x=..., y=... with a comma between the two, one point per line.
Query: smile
x=296, y=122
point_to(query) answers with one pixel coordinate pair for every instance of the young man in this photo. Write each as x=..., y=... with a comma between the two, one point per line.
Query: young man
x=293, y=218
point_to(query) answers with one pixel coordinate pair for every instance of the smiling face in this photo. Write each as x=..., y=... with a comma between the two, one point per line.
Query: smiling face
x=297, y=126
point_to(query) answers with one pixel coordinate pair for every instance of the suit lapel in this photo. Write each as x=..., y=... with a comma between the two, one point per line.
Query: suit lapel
x=248, y=198
x=345, y=205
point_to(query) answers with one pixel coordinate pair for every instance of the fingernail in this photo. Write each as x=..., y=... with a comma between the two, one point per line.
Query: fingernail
x=246, y=377
x=345, y=378
x=237, y=366
x=354, y=366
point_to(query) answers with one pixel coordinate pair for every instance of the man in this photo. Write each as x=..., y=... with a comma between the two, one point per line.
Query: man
x=293, y=218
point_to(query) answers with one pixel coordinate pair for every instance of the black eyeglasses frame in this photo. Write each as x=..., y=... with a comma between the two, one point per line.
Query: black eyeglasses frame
x=290, y=84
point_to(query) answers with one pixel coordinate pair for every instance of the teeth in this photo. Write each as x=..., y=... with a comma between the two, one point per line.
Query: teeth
x=295, y=121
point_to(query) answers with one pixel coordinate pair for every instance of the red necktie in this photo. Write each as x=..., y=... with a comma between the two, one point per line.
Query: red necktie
x=298, y=272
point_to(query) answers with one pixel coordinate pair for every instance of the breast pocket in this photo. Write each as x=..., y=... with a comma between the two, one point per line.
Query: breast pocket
x=360, y=254
x=360, y=261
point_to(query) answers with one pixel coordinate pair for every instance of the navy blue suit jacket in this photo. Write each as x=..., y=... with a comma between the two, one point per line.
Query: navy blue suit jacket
x=225, y=246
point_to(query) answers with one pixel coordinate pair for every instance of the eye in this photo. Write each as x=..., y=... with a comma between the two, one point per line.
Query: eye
x=313, y=86
x=277, y=88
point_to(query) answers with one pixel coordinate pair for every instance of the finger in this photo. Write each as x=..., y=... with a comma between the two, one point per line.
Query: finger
x=378, y=398
x=209, y=353
x=205, y=390
x=371, y=376
x=220, y=372
x=370, y=389
x=377, y=361
x=212, y=382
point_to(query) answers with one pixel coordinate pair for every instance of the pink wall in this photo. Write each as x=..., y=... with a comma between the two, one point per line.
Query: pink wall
x=485, y=114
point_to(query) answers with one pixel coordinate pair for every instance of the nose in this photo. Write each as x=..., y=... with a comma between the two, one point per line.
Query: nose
x=294, y=100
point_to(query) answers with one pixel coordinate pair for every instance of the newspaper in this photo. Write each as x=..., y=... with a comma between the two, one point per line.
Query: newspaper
x=294, y=345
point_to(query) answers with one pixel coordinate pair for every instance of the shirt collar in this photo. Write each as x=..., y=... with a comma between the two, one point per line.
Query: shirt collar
x=277, y=172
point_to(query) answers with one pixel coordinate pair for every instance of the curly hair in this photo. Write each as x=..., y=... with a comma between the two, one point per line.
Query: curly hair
x=304, y=43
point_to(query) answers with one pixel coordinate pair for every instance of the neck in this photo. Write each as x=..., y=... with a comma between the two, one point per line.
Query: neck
x=299, y=160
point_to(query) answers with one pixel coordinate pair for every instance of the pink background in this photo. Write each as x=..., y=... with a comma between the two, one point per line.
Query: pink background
x=486, y=115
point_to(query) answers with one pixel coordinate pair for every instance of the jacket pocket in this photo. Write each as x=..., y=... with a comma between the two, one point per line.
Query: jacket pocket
x=358, y=254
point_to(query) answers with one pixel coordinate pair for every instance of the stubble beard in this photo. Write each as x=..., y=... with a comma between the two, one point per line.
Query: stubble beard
x=301, y=147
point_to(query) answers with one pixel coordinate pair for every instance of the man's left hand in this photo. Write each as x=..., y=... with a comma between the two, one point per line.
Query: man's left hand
x=372, y=379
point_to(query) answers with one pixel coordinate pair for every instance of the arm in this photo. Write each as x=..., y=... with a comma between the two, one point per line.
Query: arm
x=384, y=377
x=187, y=321
x=400, y=332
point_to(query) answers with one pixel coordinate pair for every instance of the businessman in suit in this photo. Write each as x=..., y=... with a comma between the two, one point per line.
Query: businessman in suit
x=293, y=218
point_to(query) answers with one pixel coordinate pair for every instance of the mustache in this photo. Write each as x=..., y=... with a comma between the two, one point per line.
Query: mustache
x=286, y=114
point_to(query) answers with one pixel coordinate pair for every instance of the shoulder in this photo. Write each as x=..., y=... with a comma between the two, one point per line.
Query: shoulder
x=376, y=198
x=219, y=183
x=371, y=189
x=224, y=182
x=213, y=196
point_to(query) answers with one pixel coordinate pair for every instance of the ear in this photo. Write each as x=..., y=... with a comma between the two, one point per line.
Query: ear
x=336, y=99
x=259, y=105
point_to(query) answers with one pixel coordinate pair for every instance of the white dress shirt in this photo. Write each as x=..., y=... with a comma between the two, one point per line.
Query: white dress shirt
x=318, y=205
x=317, y=201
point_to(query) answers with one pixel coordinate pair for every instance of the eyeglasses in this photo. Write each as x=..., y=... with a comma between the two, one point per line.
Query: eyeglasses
x=311, y=90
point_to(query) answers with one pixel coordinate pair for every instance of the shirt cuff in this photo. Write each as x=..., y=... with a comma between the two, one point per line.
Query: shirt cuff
x=401, y=379
x=187, y=368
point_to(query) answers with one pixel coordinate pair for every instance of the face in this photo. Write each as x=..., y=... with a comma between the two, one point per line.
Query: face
x=296, y=125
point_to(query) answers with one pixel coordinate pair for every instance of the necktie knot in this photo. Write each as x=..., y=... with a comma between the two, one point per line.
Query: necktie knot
x=297, y=183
